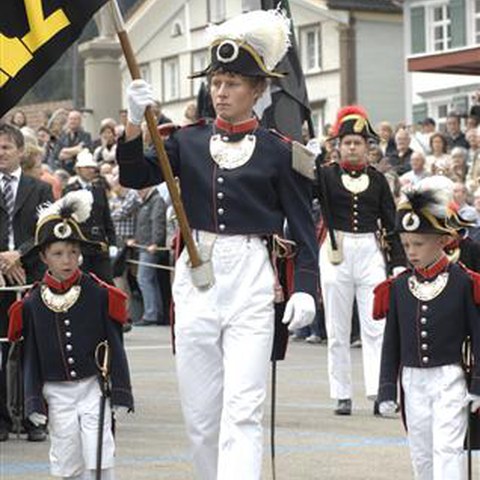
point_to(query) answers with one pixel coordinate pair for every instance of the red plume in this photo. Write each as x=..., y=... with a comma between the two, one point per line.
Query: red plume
x=348, y=110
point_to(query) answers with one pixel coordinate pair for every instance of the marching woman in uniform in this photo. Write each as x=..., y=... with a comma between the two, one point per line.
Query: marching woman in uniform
x=238, y=186
x=431, y=309
x=63, y=319
x=363, y=208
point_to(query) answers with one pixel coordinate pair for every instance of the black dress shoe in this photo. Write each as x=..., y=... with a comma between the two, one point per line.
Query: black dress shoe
x=344, y=407
x=37, y=434
x=3, y=434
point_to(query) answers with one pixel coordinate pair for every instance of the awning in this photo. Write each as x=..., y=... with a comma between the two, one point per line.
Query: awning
x=465, y=61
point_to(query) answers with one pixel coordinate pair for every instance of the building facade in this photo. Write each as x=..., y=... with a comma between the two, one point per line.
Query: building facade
x=442, y=41
x=339, y=43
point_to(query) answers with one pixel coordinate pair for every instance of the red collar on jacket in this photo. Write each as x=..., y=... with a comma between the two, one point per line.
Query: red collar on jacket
x=243, y=127
x=352, y=167
x=60, y=287
x=433, y=270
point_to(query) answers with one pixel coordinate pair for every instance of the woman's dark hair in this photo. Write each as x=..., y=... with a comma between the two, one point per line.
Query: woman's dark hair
x=442, y=138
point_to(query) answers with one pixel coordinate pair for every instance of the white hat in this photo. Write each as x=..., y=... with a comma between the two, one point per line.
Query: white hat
x=85, y=159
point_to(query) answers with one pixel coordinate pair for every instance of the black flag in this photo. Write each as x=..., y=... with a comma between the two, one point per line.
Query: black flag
x=290, y=107
x=33, y=36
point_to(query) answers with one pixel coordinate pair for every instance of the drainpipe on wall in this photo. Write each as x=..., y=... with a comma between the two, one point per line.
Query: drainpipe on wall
x=348, y=63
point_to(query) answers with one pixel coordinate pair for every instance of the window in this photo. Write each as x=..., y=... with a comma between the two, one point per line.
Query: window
x=311, y=48
x=248, y=5
x=216, y=11
x=199, y=62
x=440, y=28
x=145, y=72
x=171, y=79
x=476, y=19
x=318, y=120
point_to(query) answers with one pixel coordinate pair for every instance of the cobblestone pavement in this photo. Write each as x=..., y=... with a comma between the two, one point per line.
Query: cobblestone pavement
x=312, y=443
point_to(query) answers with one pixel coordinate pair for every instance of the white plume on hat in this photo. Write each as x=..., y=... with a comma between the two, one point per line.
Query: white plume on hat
x=434, y=193
x=266, y=31
x=77, y=205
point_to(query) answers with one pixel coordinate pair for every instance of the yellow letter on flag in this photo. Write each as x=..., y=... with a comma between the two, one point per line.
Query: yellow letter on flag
x=42, y=29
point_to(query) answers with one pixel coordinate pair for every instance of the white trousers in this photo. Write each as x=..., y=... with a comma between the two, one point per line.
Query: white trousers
x=436, y=413
x=362, y=268
x=73, y=413
x=223, y=345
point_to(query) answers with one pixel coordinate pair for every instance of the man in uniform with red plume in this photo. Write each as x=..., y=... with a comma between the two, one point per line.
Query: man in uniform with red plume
x=353, y=258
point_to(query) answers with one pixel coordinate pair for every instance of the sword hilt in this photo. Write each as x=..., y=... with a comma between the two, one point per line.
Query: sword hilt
x=102, y=359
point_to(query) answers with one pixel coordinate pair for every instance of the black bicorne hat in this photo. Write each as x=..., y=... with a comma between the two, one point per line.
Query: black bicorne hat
x=353, y=120
x=428, y=207
x=251, y=44
x=60, y=221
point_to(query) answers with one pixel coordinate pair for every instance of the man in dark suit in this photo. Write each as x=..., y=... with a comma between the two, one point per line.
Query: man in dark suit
x=99, y=227
x=19, y=199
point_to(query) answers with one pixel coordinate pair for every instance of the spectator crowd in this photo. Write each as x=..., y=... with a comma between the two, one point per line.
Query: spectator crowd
x=138, y=227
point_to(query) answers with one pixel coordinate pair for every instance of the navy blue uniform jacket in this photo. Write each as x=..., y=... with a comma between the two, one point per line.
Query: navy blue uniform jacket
x=431, y=333
x=61, y=346
x=251, y=199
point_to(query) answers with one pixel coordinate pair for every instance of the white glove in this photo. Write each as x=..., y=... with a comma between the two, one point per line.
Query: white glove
x=112, y=251
x=299, y=311
x=139, y=97
x=388, y=409
x=398, y=270
x=475, y=399
x=38, y=419
x=119, y=412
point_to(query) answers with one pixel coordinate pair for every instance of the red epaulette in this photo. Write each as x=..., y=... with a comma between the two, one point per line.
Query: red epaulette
x=282, y=137
x=475, y=277
x=117, y=301
x=381, y=296
x=166, y=129
x=15, y=317
x=15, y=321
x=381, y=299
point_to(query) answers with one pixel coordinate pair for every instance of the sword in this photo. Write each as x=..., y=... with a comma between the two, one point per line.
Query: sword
x=102, y=359
x=469, y=443
x=324, y=202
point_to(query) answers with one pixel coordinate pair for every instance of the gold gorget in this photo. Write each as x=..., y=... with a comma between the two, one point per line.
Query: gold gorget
x=60, y=302
x=428, y=290
x=355, y=184
x=230, y=155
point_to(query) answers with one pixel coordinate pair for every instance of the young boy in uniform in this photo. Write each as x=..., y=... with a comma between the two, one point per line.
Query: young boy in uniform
x=431, y=309
x=63, y=319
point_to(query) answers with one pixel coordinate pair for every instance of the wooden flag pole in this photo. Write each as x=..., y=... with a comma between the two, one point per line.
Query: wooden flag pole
x=157, y=141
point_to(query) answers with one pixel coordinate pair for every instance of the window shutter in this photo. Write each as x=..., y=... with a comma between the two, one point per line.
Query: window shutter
x=420, y=112
x=417, y=26
x=460, y=104
x=457, y=15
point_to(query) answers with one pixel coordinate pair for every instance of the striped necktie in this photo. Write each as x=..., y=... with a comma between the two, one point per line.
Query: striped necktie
x=9, y=199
